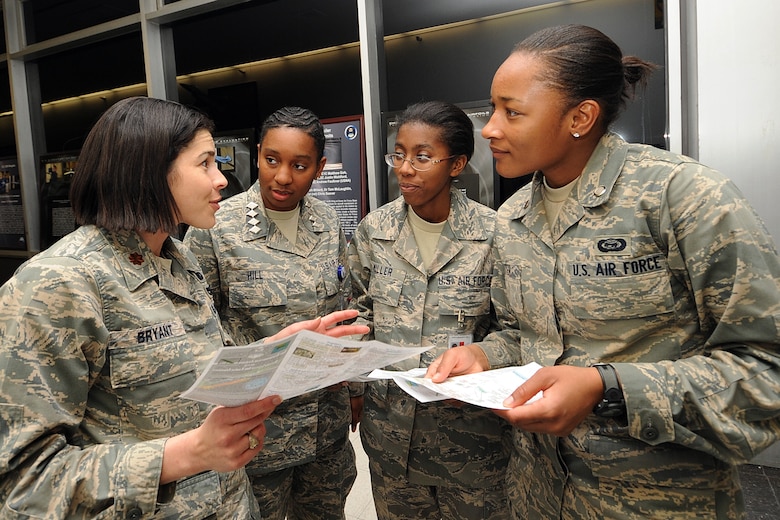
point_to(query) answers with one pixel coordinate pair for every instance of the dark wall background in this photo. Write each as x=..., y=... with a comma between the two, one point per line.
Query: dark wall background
x=455, y=63
x=241, y=63
x=461, y=61
x=9, y=264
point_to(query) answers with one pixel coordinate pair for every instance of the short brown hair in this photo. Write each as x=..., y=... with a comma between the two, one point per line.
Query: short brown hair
x=121, y=177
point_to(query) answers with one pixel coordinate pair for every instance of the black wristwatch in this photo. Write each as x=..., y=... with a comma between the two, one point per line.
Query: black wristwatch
x=612, y=403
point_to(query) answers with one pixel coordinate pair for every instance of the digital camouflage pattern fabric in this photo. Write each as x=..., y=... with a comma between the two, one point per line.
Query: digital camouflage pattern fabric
x=98, y=337
x=657, y=265
x=406, y=304
x=261, y=283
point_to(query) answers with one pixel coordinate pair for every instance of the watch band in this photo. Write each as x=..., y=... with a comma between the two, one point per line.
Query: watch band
x=612, y=403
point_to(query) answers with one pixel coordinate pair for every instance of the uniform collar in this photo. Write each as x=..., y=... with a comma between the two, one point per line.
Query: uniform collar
x=138, y=264
x=595, y=184
x=311, y=223
x=602, y=170
x=462, y=223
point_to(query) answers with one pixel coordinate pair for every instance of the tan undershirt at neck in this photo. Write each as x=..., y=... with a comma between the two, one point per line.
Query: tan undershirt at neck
x=286, y=221
x=554, y=199
x=426, y=234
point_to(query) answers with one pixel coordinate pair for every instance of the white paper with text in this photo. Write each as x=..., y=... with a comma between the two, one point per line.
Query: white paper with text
x=487, y=389
x=298, y=364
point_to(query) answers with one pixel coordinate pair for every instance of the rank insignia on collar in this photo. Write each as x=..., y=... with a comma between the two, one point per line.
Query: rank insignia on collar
x=136, y=259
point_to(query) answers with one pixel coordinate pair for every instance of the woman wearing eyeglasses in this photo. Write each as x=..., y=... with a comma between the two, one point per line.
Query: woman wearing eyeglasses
x=421, y=269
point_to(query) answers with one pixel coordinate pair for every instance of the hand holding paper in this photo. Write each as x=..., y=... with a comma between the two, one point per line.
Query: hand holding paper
x=487, y=389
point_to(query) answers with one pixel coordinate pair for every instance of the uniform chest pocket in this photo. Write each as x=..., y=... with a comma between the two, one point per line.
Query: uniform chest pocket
x=626, y=296
x=149, y=355
x=331, y=285
x=464, y=301
x=268, y=291
x=148, y=371
x=386, y=288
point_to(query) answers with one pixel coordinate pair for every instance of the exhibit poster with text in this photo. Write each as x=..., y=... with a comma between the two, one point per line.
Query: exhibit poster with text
x=57, y=217
x=342, y=183
x=12, y=235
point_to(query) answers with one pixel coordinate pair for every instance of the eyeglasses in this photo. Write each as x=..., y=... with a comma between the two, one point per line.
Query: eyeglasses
x=421, y=163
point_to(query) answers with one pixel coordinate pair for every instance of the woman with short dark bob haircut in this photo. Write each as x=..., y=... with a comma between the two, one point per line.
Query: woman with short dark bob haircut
x=128, y=187
x=102, y=332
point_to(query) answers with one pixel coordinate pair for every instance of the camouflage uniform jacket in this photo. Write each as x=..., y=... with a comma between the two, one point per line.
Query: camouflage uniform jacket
x=659, y=266
x=261, y=283
x=406, y=304
x=98, y=337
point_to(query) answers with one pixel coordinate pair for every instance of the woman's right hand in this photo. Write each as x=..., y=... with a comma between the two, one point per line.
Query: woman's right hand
x=468, y=359
x=222, y=443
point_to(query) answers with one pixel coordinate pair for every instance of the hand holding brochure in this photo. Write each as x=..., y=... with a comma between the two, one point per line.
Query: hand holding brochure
x=298, y=364
x=487, y=389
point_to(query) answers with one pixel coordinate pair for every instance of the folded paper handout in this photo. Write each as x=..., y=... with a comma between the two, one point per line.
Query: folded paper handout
x=298, y=364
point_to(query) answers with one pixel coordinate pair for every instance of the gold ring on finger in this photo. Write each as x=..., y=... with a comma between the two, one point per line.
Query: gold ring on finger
x=254, y=442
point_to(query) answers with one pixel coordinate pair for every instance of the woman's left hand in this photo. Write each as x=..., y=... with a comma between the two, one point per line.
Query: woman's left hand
x=356, y=403
x=569, y=395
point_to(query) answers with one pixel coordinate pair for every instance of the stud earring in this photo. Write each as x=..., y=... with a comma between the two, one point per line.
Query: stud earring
x=576, y=135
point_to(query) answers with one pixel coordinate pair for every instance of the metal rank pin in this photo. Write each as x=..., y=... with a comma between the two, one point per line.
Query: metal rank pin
x=251, y=213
